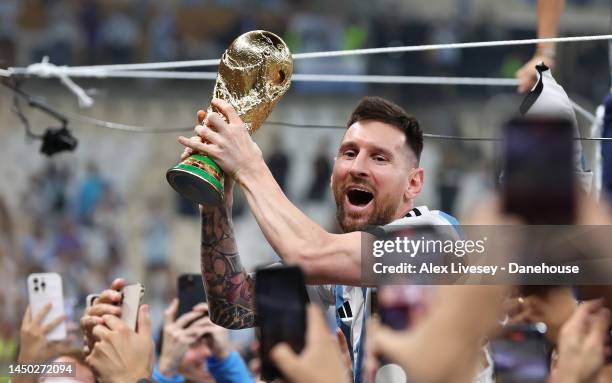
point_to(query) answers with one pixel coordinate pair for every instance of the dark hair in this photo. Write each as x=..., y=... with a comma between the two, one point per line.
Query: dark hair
x=379, y=109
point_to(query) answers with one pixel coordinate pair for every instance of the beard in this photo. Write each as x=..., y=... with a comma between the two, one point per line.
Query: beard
x=383, y=213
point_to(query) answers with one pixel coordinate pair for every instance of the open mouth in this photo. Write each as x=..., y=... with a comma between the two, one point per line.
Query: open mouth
x=359, y=197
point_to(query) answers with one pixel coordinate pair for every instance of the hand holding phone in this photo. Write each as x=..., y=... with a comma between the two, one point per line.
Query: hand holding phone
x=106, y=304
x=179, y=333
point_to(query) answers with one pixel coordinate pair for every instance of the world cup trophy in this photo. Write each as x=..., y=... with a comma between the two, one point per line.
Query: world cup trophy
x=254, y=73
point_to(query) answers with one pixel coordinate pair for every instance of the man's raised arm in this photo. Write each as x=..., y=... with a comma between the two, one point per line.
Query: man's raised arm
x=324, y=257
x=229, y=289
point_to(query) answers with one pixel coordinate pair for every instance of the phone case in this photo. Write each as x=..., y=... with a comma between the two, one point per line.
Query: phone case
x=132, y=298
x=190, y=292
x=42, y=289
x=280, y=301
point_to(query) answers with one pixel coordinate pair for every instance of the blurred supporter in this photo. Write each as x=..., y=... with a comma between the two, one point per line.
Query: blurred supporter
x=156, y=236
x=163, y=34
x=56, y=179
x=32, y=20
x=105, y=212
x=63, y=34
x=90, y=20
x=91, y=190
x=119, y=37
x=278, y=161
x=581, y=345
x=34, y=347
x=8, y=31
x=35, y=205
x=321, y=171
x=194, y=349
x=37, y=246
x=9, y=266
x=446, y=60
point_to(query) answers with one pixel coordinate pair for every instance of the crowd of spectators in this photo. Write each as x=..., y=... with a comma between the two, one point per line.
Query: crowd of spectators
x=69, y=228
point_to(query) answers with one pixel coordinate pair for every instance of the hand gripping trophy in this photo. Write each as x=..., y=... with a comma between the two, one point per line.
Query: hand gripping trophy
x=254, y=73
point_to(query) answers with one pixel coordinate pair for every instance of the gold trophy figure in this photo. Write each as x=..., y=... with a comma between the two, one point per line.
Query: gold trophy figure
x=254, y=73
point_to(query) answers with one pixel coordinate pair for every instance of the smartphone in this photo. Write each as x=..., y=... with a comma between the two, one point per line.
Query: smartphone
x=90, y=300
x=609, y=346
x=538, y=182
x=46, y=288
x=280, y=301
x=132, y=298
x=521, y=354
x=190, y=292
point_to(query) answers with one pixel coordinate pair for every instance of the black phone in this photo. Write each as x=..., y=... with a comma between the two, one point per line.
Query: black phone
x=609, y=346
x=521, y=354
x=190, y=292
x=538, y=182
x=280, y=300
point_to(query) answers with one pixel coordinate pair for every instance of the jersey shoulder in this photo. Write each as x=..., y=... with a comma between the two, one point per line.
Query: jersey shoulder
x=421, y=215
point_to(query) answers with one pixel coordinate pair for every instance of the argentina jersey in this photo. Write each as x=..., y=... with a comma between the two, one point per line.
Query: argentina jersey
x=353, y=305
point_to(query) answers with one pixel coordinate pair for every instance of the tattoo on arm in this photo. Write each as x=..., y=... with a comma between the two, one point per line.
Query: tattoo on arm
x=229, y=289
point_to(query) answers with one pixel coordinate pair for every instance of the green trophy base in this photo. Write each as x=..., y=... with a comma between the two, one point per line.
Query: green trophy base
x=198, y=179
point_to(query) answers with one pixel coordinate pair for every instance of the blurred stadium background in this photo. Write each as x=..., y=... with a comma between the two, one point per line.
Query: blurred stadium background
x=106, y=210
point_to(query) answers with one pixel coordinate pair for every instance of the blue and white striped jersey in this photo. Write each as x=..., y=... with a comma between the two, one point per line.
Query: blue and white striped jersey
x=353, y=303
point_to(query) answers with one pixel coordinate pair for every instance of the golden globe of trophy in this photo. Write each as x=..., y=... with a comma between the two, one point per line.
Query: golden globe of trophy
x=254, y=73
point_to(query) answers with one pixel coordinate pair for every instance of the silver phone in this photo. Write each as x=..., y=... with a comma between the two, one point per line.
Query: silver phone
x=132, y=298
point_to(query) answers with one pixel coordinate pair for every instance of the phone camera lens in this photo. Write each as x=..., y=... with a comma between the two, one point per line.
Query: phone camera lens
x=43, y=285
x=35, y=288
x=35, y=280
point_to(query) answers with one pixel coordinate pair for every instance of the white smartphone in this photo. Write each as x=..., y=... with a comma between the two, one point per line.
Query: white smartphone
x=46, y=288
x=132, y=298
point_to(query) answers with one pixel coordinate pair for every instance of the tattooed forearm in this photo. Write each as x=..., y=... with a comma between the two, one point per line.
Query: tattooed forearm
x=229, y=289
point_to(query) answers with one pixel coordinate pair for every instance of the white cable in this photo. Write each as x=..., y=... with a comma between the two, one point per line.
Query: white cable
x=439, y=80
x=434, y=80
x=5, y=73
x=84, y=100
x=45, y=69
x=348, y=52
x=431, y=80
x=419, y=48
x=150, y=66
x=167, y=75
